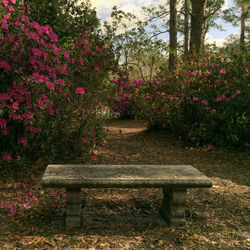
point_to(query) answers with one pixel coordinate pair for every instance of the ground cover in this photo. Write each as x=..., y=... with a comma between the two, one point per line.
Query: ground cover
x=217, y=218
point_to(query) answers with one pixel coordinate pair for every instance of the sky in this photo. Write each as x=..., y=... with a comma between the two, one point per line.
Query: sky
x=104, y=8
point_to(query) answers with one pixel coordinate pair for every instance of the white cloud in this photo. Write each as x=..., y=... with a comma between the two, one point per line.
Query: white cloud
x=227, y=4
x=104, y=9
x=217, y=40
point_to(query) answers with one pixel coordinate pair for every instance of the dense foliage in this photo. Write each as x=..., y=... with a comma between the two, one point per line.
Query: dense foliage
x=48, y=94
x=204, y=101
x=54, y=87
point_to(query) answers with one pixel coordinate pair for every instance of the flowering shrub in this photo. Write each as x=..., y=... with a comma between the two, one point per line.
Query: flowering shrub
x=123, y=94
x=48, y=94
x=204, y=101
x=22, y=199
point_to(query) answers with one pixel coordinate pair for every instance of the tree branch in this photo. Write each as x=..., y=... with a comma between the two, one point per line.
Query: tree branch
x=160, y=32
x=206, y=17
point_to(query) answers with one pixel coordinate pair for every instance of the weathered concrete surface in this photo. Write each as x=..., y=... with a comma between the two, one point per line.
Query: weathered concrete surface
x=173, y=206
x=136, y=176
x=74, y=212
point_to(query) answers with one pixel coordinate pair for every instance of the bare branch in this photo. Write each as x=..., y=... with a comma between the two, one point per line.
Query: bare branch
x=211, y=14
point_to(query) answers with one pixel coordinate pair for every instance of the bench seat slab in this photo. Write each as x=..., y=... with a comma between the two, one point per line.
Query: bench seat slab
x=74, y=212
x=124, y=176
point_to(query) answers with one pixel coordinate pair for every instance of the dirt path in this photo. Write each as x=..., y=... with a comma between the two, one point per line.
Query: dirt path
x=217, y=218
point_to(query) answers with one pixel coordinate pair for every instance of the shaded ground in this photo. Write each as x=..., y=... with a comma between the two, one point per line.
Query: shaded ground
x=217, y=218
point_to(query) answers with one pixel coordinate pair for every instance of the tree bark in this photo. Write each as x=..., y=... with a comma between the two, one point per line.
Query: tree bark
x=197, y=25
x=186, y=28
x=173, y=35
x=244, y=10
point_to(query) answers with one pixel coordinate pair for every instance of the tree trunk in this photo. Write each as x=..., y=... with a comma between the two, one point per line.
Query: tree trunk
x=244, y=10
x=197, y=25
x=173, y=34
x=186, y=28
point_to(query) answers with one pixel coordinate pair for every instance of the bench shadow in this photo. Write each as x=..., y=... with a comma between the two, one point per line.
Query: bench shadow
x=131, y=217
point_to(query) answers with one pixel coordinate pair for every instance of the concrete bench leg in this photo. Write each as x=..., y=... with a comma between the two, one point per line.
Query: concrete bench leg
x=173, y=207
x=74, y=213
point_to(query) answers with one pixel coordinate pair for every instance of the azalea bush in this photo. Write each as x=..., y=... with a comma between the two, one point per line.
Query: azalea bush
x=49, y=95
x=204, y=101
x=122, y=94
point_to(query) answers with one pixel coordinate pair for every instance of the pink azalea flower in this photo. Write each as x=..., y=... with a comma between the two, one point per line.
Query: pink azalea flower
x=93, y=157
x=18, y=157
x=64, y=195
x=204, y=102
x=15, y=105
x=41, y=104
x=66, y=55
x=3, y=123
x=237, y=91
x=100, y=105
x=22, y=141
x=233, y=96
x=209, y=146
x=218, y=99
x=105, y=46
x=6, y=157
x=50, y=85
x=195, y=98
x=35, y=199
x=213, y=110
x=101, y=143
x=5, y=65
x=222, y=71
x=12, y=212
x=80, y=91
x=81, y=61
x=26, y=206
x=84, y=140
x=53, y=193
x=96, y=68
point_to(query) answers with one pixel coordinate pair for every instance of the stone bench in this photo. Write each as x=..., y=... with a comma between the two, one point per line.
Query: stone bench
x=173, y=179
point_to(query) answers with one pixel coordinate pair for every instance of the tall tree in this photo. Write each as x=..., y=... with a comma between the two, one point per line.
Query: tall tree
x=186, y=26
x=66, y=17
x=244, y=14
x=159, y=16
x=197, y=24
x=237, y=15
x=173, y=34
